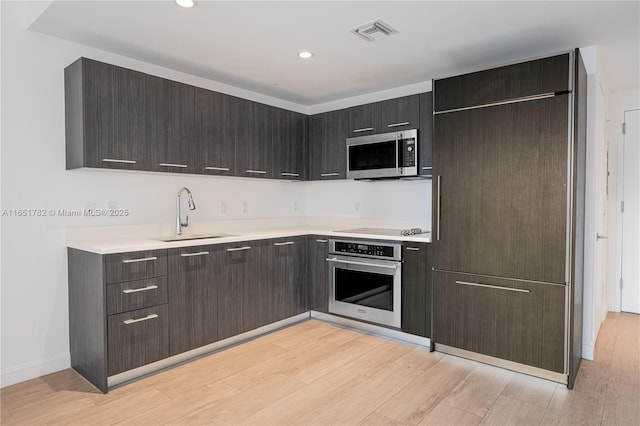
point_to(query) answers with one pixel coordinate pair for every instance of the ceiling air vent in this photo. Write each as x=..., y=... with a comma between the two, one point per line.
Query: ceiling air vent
x=374, y=30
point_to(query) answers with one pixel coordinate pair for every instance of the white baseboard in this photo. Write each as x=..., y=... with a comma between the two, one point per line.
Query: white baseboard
x=587, y=351
x=31, y=370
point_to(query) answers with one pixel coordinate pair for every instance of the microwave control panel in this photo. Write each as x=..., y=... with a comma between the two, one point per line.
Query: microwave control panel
x=366, y=249
x=409, y=152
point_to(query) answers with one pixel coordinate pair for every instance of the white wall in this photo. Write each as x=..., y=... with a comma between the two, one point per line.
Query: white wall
x=34, y=308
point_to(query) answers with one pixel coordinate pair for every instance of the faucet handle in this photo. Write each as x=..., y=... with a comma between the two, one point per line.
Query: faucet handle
x=186, y=223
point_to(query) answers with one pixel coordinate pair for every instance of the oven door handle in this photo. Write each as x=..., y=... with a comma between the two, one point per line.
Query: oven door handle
x=351, y=262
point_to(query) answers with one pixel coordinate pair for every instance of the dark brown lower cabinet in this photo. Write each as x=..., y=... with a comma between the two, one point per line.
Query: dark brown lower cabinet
x=318, y=273
x=416, y=289
x=518, y=321
x=287, y=278
x=137, y=338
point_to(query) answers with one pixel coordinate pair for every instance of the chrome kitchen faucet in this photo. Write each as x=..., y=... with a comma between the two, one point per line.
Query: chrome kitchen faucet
x=192, y=206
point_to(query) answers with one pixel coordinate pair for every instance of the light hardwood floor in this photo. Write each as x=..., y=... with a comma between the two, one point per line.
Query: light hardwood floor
x=318, y=373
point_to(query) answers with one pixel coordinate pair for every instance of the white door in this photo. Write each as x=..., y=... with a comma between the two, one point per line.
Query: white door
x=630, y=294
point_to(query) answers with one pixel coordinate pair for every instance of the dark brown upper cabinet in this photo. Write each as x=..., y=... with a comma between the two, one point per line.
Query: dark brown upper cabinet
x=385, y=116
x=170, y=126
x=532, y=78
x=254, y=139
x=328, y=134
x=214, y=133
x=425, y=135
x=290, y=145
x=105, y=116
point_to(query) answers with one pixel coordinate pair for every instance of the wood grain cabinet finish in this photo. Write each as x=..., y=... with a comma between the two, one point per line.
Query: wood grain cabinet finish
x=194, y=277
x=105, y=116
x=365, y=120
x=136, y=265
x=290, y=145
x=400, y=114
x=137, y=338
x=132, y=295
x=540, y=76
x=214, y=133
x=287, y=256
x=514, y=320
x=425, y=161
x=170, y=126
x=254, y=139
x=318, y=272
x=502, y=197
x=416, y=289
x=328, y=134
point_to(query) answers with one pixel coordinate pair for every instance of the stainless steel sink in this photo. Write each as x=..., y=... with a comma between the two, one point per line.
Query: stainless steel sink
x=193, y=237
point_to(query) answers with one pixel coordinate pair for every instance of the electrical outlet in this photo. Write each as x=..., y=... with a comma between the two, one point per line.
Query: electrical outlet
x=90, y=205
x=295, y=206
x=223, y=208
x=245, y=207
x=356, y=206
x=112, y=205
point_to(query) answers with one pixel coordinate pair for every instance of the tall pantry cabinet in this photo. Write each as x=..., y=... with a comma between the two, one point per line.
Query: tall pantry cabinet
x=508, y=167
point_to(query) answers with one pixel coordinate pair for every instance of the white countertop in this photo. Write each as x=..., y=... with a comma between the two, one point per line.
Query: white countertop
x=138, y=241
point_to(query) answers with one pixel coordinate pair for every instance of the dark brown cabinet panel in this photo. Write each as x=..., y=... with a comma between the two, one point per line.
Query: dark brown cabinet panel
x=170, y=126
x=416, y=289
x=400, y=114
x=132, y=295
x=365, y=120
x=514, y=320
x=105, y=116
x=541, y=76
x=214, y=133
x=287, y=278
x=425, y=136
x=318, y=273
x=137, y=338
x=135, y=265
x=328, y=134
x=501, y=207
x=193, y=297
x=290, y=145
x=239, y=272
x=254, y=139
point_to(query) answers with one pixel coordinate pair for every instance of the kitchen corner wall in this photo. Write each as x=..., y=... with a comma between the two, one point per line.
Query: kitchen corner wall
x=33, y=297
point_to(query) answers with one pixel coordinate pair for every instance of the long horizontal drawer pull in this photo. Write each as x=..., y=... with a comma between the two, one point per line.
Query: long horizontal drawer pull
x=413, y=248
x=115, y=160
x=239, y=248
x=505, y=102
x=404, y=123
x=148, y=317
x=427, y=168
x=135, y=290
x=351, y=262
x=200, y=253
x=220, y=169
x=328, y=174
x=497, y=287
x=322, y=241
x=258, y=172
x=288, y=243
x=364, y=129
x=289, y=174
x=144, y=259
x=181, y=166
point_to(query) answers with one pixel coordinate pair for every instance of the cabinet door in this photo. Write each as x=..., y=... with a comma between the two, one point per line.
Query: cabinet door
x=365, y=119
x=193, y=297
x=214, y=133
x=328, y=134
x=501, y=205
x=287, y=277
x=416, y=289
x=514, y=320
x=137, y=338
x=425, y=136
x=400, y=114
x=254, y=124
x=170, y=125
x=318, y=273
x=289, y=145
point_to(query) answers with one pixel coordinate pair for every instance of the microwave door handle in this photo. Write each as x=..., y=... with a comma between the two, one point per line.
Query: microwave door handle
x=397, y=153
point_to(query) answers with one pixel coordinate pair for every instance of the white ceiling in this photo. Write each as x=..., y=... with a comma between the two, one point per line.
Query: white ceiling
x=254, y=45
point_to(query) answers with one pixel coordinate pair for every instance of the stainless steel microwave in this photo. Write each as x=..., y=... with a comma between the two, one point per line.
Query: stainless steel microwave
x=386, y=155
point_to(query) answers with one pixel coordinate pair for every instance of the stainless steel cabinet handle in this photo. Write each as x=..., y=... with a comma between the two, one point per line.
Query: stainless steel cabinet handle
x=221, y=169
x=439, y=211
x=115, y=160
x=601, y=237
x=135, y=290
x=427, y=168
x=288, y=243
x=351, y=262
x=322, y=241
x=289, y=174
x=329, y=174
x=404, y=123
x=239, y=248
x=497, y=287
x=364, y=129
x=181, y=166
x=258, y=172
x=144, y=259
x=413, y=248
x=200, y=253
x=148, y=317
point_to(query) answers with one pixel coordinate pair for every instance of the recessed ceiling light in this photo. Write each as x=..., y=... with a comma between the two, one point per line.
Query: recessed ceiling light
x=185, y=3
x=305, y=54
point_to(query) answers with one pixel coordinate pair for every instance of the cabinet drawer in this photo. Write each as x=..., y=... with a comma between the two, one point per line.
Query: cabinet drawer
x=518, y=321
x=131, y=295
x=135, y=265
x=137, y=338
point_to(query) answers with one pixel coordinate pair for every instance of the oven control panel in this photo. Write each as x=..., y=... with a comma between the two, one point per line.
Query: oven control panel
x=367, y=249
